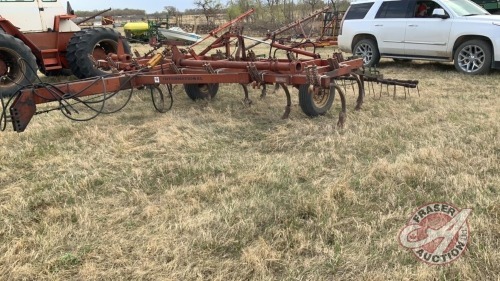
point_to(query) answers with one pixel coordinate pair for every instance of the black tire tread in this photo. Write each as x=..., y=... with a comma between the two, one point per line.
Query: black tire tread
x=376, y=54
x=81, y=45
x=307, y=104
x=487, y=49
x=10, y=42
x=193, y=91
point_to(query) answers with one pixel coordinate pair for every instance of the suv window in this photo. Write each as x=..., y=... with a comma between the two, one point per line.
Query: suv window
x=358, y=11
x=393, y=9
x=423, y=9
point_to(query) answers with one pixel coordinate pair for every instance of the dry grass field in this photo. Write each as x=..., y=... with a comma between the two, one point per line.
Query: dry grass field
x=220, y=191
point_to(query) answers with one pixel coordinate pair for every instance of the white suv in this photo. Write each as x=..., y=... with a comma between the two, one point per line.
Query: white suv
x=437, y=30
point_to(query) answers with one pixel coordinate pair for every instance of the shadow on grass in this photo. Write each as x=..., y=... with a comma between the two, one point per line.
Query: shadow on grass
x=417, y=65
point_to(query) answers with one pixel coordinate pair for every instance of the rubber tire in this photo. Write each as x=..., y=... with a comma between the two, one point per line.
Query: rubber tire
x=484, y=47
x=309, y=103
x=85, y=42
x=11, y=49
x=201, y=91
x=369, y=46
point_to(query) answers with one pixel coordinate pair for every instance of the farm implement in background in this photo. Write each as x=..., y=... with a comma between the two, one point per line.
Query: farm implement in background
x=302, y=30
x=200, y=74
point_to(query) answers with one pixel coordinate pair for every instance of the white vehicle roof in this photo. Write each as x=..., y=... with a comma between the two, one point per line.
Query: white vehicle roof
x=35, y=15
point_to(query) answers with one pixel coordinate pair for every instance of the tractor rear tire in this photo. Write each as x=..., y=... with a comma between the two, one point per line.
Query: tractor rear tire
x=201, y=91
x=96, y=42
x=17, y=65
x=315, y=104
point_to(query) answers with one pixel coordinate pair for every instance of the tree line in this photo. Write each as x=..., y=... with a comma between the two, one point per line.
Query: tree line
x=269, y=13
x=113, y=12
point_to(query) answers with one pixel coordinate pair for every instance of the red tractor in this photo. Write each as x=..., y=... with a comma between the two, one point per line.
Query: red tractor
x=40, y=35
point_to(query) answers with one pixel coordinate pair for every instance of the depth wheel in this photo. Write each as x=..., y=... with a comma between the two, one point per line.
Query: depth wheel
x=315, y=103
x=201, y=91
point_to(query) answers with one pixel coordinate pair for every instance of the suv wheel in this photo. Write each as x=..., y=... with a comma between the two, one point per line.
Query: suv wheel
x=473, y=57
x=368, y=50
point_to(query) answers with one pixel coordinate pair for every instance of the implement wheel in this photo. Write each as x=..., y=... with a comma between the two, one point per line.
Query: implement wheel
x=17, y=65
x=97, y=42
x=317, y=102
x=201, y=91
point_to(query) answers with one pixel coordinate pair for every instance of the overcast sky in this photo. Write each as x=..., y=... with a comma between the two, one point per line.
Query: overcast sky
x=150, y=6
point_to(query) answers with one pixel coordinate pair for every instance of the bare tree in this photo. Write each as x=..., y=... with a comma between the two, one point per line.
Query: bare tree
x=273, y=7
x=171, y=10
x=313, y=3
x=209, y=7
x=288, y=9
x=232, y=10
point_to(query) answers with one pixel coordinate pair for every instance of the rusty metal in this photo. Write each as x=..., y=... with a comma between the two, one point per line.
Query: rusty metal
x=273, y=34
x=157, y=74
x=288, y=107
x=278, y=46
x=343, y=112
x=360, y=78
x=214, y=32
x=254, y=75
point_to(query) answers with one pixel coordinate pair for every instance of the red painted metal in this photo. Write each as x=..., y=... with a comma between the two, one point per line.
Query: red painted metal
x=171, y=66
x=322, y=41
x=185, y=69
x=224, y=26
x=40, y=43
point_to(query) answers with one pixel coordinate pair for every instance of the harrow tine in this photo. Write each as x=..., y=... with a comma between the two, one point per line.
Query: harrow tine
x=373, y=88
x=246, y=101
x=344, y=85
x=361, y=90
x=276, y=88
x=288, y=107
x=263, y=92
x=343, y=112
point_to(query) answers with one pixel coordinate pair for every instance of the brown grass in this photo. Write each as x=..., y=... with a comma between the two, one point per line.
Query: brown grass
x=219, y=191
